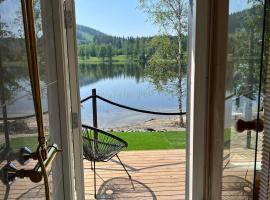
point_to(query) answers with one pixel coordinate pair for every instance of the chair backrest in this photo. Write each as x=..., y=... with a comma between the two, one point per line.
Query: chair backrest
x=99, y=145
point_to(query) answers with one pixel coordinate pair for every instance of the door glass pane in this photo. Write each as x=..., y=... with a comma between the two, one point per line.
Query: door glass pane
x=134, y=53
x=18, y=127
x=241, y=103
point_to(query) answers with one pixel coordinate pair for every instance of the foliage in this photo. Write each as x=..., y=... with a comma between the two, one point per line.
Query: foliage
x=91, y=73
x=170, y=16
x=86, y=34
x=245, y=40
x=134, y=48
x=9, y=83
x=109, y=53
x=162, y=68
x=8, y=79
x=102, y=52
x=13, y=49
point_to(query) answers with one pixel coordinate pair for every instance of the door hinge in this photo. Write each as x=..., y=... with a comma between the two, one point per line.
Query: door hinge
x=74, y=120
x=68, y=16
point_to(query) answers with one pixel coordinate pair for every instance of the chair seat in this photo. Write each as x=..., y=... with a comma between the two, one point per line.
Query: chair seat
x=99, y=145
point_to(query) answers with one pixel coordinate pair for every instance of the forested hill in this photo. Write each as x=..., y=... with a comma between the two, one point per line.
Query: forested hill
x=88, y=35
x=85, y=35
x=237, y=19
x=93, y=44
x=96, y=46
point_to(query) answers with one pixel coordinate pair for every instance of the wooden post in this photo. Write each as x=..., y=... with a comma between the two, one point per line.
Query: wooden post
x=4, y=108
x=94, y=107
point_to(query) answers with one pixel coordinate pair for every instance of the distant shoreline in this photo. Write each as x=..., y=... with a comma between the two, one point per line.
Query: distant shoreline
x=164, y=124
x=120, y=59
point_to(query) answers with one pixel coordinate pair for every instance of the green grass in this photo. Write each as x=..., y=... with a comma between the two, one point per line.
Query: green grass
x=154, y=140
x=136, y=140
x=30, y=142
x=227, y=138
x=120, y=59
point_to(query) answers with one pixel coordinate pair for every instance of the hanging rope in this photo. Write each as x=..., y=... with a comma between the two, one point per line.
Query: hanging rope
x=30, y=39
x=131, y=108
x=44, y=172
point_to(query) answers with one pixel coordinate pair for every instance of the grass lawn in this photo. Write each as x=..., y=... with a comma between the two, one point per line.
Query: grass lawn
x=30, y=142
x=227, y=138
x=120, y=59
x=154, y=140
x=136, y=140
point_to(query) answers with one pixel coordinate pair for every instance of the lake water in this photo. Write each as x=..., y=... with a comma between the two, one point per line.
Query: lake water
x=124, y=84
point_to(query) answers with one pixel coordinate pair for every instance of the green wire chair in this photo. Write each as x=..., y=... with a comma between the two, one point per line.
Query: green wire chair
x=101, y=146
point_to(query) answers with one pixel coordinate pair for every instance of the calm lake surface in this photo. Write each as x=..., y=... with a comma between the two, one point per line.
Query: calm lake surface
x=124, y=84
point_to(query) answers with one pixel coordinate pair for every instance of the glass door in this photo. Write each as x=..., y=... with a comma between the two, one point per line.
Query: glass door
x=18, y=126
x=243, y=103
x=134, y=56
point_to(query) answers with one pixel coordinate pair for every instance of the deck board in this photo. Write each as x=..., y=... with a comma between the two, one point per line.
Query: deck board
x=156, y=174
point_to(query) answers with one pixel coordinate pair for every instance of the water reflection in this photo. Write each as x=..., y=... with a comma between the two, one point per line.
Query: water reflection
x=91, y=73
x=125, y=84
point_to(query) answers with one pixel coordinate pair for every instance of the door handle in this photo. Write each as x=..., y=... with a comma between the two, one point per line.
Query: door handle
x=242, y=125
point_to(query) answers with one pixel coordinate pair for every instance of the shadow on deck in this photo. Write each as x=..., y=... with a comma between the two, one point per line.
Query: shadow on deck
x=156, y=175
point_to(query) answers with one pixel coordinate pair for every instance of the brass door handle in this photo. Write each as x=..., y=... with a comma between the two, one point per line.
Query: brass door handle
x=9, y=172
x=242, y=125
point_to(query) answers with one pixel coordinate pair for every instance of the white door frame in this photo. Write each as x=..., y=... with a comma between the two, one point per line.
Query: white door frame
x=64, y=98
x=205, y=112
x=75, y=96
x=70, y=171
x=53, y=88
x=208, y=45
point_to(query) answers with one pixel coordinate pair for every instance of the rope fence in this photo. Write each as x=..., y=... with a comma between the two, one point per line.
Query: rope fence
x=109, y=102
x=22, y=117
x=128, y=107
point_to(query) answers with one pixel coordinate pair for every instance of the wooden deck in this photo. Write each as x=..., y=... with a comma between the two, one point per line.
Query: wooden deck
x=156, y=175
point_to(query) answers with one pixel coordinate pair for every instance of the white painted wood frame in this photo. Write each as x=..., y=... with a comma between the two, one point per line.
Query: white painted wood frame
x=206, y=111
x=66, y=98
x=208, y=45
x=53, y=99
x=75, y=96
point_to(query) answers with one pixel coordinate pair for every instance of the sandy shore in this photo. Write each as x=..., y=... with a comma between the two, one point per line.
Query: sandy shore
x=28, y=127
x=164, y=124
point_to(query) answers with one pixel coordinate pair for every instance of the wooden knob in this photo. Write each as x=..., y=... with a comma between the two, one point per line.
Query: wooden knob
x=242, y=125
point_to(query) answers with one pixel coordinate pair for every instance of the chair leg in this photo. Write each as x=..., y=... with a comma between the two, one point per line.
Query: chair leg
x=91, y=165
x=95, y=183
x=126, y=171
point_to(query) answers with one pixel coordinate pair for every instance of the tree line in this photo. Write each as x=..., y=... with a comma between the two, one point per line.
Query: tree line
x=103, y=46
x=139, y=49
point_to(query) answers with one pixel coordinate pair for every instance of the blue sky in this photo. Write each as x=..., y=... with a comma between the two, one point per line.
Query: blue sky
x=238, y=5
x=114, y=17
x=123, y=17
